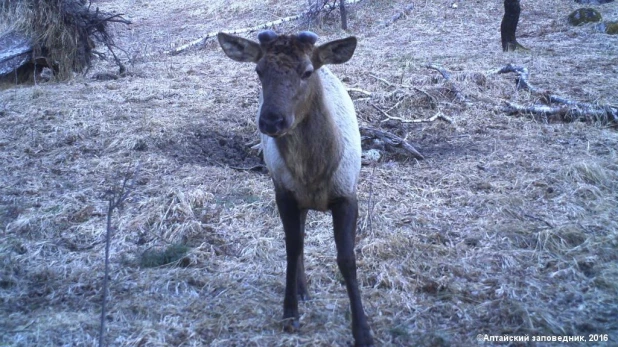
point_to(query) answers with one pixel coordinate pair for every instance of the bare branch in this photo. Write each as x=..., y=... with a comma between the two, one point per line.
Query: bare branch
x=447, y=77
x=358, y=90
x=433, y=118
x=115, y=196
x=392, y=140
x=570, y=111
x=442, y=71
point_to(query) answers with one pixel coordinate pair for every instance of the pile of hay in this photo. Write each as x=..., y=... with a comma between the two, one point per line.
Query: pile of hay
x=61, y=33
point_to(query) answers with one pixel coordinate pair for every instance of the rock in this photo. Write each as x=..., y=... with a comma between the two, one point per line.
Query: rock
x=371, y=156
x=584, y=15
x=16, y=51
x=608, y=27
x=611, y=28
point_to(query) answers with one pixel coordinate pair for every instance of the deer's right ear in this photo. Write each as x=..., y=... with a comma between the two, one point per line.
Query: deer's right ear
x=240, y=49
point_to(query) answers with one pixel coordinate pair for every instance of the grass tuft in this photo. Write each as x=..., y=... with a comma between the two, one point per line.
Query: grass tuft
x=160, y=257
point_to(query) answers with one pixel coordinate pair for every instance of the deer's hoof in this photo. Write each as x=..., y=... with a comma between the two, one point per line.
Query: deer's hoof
x=365, y=340
x=291, y=325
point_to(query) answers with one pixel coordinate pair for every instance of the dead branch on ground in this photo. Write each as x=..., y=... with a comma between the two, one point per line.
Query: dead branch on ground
x=567, y=111
x=441, y=70
x=359, y=90
x=447, y=78
x=310, y=13
x=433, y=118
x=563, y=113
x=391, y=140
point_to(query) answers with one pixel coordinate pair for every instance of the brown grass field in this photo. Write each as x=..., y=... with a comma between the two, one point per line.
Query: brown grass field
x=508, y=227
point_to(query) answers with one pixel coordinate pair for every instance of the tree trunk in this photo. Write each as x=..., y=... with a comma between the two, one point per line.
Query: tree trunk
x=509, y=25
x=344, y=15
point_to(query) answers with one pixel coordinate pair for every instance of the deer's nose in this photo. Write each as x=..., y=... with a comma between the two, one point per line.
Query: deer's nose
x=272, y=124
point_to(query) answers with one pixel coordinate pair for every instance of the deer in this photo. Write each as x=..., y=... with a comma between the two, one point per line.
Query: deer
x=311, y=146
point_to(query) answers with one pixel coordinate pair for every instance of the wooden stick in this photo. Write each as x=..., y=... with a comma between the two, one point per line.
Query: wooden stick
x=442, y=71
x=380, y=110
x=433, y=118
x=392, y=140
x=358, y=90
x=381, y=80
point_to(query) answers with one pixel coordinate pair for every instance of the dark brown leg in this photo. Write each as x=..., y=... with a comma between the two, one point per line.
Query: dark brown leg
x=301, y=279
x=345, y=214
x=291, y=217
x=508, y=27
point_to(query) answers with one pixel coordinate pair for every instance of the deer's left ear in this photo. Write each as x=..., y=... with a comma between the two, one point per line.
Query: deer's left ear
x=239, y=49
x=334, y=52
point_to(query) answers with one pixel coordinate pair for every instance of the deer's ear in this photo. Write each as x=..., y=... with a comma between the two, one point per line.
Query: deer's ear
x=240, y=49
x=334, y=52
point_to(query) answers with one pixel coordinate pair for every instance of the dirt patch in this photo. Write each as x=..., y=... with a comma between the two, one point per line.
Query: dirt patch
x=211, y=147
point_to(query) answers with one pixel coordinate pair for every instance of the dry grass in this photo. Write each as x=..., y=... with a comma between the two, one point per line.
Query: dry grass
x=62, y=33
x=508, y=227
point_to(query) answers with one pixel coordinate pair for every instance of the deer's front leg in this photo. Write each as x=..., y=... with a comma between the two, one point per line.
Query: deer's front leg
x=291, y=217
x=345, y=214
x=301, y=278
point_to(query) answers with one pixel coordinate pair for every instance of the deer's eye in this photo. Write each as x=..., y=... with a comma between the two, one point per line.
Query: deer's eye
x=307, y=74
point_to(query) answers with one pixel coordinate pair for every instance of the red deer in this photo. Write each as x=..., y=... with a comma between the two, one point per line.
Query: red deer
x=311, y=145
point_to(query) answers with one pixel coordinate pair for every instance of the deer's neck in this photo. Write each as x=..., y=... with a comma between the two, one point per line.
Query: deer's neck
x=312, y=150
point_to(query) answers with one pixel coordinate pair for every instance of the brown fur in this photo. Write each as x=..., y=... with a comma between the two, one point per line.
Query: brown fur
x=286, y=51
x=312, y=150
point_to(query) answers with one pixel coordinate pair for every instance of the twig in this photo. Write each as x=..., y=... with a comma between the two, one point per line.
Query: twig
x=392, y=140
x=442, y=71
x=522, y=77
x=433, y=118
x=431, y=97
x=445, y=118
x=381, y=80
x=395, y=106
x=380, y=110
x=116, y=18
x=358, y=90
x=539, y=219
x=250, y=168
x=115, y=197
x=447, y=78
